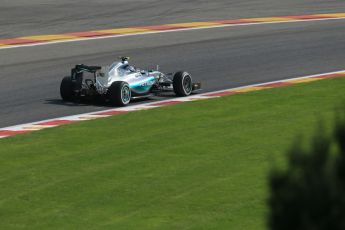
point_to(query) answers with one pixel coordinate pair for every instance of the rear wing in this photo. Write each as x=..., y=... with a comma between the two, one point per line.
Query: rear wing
x=81, y=68
x=77, y=75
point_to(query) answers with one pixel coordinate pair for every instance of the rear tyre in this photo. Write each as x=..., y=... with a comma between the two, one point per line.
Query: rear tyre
x=119, y=93
x=66, y=89
x=182, y=84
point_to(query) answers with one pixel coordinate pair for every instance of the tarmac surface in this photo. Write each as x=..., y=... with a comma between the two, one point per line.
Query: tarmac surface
x=31, y=17
x=219, y=57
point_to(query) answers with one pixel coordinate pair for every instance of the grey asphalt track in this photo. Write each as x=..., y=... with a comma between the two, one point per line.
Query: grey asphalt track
x=219, y=57
x=30, y=17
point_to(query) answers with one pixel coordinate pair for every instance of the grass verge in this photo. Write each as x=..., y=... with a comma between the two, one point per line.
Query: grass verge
x=198, y=165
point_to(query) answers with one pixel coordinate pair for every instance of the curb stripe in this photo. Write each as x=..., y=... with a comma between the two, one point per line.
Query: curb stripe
x=165, y=103
x=328, y=76
x=51, y=37
x=221, y=94
x=315, y=16
x=163, y=27
x=131, y=30
x=5, y=133
x=55, y=122
x=16, y=41
x=35, y=126
x=118, y=32
x=276, y=84
x=110, y=113
x=271, y=19
x=88, y=34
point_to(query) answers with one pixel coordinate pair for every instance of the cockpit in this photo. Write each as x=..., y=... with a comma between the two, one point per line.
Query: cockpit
x=121, y=69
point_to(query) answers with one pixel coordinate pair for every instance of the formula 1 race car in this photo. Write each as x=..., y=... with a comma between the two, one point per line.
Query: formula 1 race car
x=120, y=82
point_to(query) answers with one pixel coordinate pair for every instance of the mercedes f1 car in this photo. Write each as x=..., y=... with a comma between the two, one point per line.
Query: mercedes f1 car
x=120, y=82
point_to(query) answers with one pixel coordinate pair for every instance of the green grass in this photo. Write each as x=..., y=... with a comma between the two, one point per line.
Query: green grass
x=198, y=165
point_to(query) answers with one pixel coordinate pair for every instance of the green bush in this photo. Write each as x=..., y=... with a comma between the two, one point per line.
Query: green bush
x=310, y=193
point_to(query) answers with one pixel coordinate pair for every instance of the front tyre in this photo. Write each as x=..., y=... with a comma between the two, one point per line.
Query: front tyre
x=182, y=84
x=119, y=93
x=66, y=89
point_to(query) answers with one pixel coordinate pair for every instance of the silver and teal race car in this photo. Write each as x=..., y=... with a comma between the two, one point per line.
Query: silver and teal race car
x=120, y=82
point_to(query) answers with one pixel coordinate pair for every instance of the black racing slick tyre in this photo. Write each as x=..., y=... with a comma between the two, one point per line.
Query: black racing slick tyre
x=66, y=89
x=119, y=93
x=182, y=84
